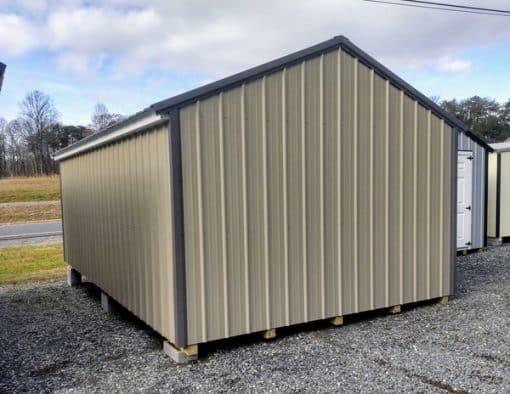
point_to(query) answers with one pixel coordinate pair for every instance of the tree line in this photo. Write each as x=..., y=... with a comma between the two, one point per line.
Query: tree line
x=486, y=117
x=28, y=142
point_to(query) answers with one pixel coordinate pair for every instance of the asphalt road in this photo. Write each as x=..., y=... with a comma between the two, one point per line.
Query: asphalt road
x=31, y=233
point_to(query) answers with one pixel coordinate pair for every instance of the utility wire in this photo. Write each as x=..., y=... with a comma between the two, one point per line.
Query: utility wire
x=437, y=8
x=466, y=7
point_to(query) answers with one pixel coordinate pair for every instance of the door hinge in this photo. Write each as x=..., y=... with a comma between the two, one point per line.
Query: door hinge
x=468, y=208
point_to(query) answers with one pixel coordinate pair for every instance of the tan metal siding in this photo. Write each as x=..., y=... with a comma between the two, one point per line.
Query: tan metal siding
x=505, y=195
x=316, y=191
x=117, y=218
x=492, y=193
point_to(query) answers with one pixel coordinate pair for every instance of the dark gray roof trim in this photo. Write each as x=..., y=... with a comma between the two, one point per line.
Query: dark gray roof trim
x=251, y=74
x=181, y=100
x=2, y=71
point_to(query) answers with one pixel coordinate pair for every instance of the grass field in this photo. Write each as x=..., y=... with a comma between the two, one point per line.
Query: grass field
x=29, y=212
x=21, y=189
x=31, y=263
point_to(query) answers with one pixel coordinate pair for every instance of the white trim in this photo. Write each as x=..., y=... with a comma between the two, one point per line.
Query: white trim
x=501, y=146
x=137, y=125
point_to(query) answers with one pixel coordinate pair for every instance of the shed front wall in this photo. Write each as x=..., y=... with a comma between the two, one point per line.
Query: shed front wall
x=117, y=220
x=504, y=213
x=492, y=196
x=464, y=143
x=316, y=191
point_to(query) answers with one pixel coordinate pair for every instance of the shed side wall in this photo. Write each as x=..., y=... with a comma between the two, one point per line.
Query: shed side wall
x=478, y=187
x=117, y=220
x=317, y=191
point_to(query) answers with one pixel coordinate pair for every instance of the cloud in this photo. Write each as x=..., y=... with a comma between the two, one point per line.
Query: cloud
x=213, y=39
x=453, y=65
x=17, y=35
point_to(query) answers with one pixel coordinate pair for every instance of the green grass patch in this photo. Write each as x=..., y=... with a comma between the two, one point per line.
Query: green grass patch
x=22, y=189
x=31, y=263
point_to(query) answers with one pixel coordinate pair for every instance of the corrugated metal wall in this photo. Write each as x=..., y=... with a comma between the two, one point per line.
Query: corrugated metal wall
x=316, y=191
x=492, y=195
x=117, y=220
x=505, y=195
x=478, y=202
x=504, y=190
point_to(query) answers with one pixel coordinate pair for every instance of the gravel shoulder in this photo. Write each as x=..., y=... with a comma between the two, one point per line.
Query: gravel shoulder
x=56, y=338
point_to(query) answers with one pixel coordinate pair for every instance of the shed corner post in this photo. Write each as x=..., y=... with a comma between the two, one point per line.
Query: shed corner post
x=177, y=206
x=453, y=202
x=486, y=197
x=498, y=195
x=62, y=210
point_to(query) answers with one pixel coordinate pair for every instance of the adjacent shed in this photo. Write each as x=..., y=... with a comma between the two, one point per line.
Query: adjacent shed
x=499, y=193
x=314, y=186
x=472, y=164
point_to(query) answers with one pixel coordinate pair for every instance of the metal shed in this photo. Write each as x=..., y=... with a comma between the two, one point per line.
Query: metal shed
x=472, y=189
x=498, y=216
x=311, y=187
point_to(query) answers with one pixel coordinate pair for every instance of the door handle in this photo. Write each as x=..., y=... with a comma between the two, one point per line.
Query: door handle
x=468, y=208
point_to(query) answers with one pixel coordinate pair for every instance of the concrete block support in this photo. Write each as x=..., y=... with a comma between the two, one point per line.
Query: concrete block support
x=106, y=302
x=180, y=355
x=73, y=277
x=494, y=241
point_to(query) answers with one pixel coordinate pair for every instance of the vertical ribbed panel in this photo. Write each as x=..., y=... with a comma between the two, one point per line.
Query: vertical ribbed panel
x=492, y=195
x=117, y=218
x=314, y=191
x=505, y=195
x=465, y=143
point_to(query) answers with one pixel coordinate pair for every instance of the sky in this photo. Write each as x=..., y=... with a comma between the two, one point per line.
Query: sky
x=129, y=54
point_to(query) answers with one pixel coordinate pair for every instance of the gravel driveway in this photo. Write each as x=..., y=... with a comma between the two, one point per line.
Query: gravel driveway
x=54, y=338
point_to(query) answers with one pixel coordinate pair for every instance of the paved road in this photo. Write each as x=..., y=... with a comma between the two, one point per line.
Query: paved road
x=31, y=233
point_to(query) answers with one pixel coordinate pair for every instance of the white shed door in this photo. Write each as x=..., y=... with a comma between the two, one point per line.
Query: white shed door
x=464, y=185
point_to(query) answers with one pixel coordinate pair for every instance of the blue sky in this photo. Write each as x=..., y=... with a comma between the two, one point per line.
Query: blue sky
x=128, y=54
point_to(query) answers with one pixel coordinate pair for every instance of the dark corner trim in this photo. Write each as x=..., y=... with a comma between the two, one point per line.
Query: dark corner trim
x=486, y=197
x=498, y=196
x=178, y=263
x=453, y=206
x=62, y=211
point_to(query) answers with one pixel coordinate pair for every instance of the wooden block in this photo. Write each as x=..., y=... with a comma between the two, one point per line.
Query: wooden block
x=269, y=334
x=443, y=300
x=395, y=309
x=180, y=354
x=337, y=320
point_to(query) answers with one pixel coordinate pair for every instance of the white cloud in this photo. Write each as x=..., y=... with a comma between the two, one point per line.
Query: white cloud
x=212, y=39
x=453, y=65
x=17, y=35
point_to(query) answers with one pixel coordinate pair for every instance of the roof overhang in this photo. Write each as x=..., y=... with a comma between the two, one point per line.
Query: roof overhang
x=501, y=147
x=132, y=125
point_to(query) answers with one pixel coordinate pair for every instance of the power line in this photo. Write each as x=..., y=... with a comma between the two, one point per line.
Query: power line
x=466, y=7
x=437, y=8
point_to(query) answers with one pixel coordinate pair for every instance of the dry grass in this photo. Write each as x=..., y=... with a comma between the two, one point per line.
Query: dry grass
x=31, y=263
x=29, y=212
x=40, y=188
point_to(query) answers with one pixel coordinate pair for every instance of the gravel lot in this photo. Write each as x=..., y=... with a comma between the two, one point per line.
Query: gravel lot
x=54, y=338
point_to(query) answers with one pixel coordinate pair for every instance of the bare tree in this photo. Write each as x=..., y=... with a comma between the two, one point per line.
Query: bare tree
x=3, y=148
x=102, y=118
x=38, y=115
